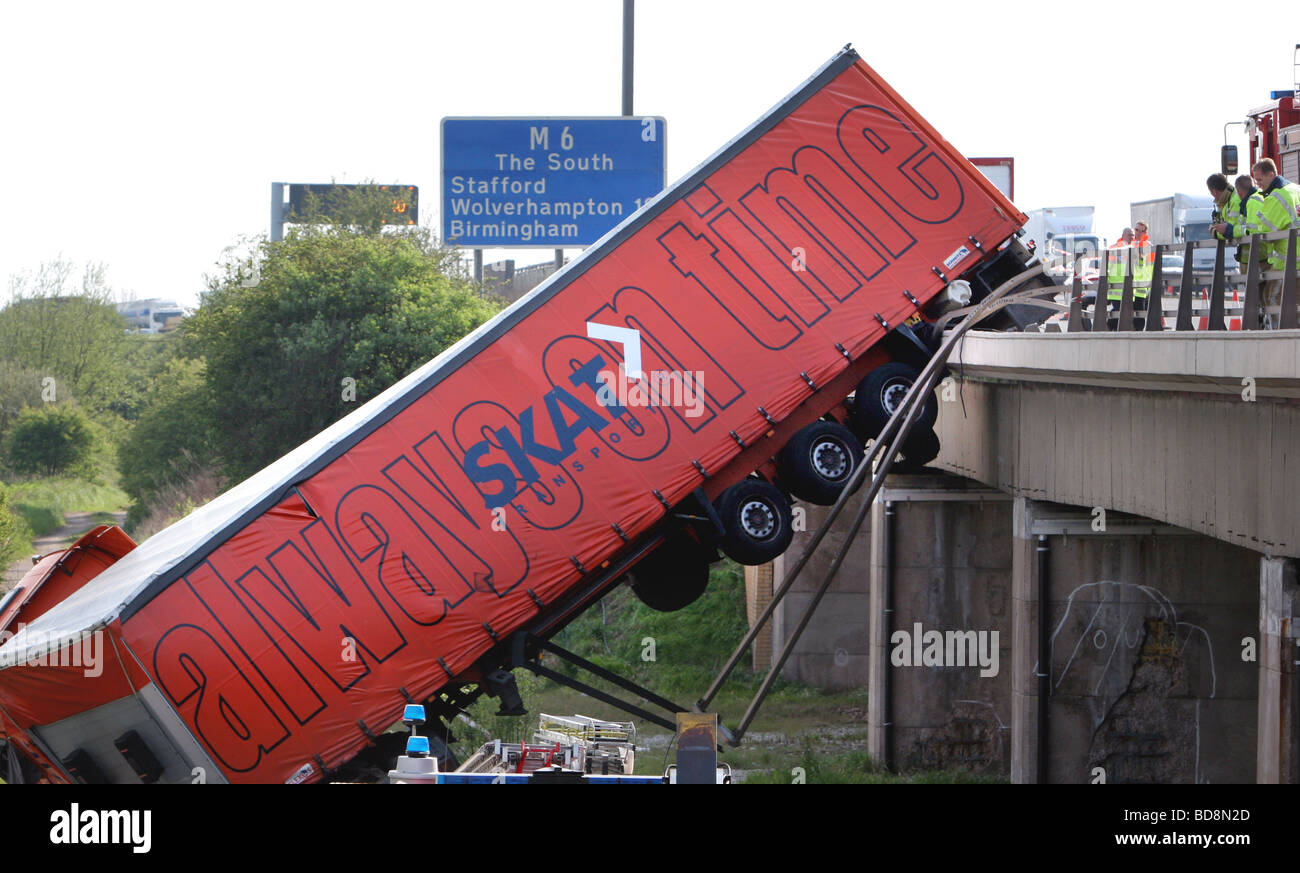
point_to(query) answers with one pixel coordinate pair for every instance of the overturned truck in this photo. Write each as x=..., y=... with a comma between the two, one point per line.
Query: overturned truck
x=654, y=405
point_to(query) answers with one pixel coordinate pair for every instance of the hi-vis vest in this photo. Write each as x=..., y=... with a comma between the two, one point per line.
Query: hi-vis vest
x=1232, y=216
x=1241, y=219
x=1143, y=260
x=1278, y=213
x=1249, y=223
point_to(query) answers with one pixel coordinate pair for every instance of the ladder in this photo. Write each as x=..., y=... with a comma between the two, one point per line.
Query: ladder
x=535, y=757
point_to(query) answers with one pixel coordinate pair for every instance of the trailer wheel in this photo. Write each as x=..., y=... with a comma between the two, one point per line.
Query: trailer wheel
x=819, y=460
x=757, y=519
x=880, y=393
x=920, y=448
x=673, y=576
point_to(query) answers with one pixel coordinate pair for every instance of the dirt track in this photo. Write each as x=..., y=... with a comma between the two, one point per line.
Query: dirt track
x=78, y=523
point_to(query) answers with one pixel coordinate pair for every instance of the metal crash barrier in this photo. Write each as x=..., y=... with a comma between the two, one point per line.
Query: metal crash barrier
x=1201, y=300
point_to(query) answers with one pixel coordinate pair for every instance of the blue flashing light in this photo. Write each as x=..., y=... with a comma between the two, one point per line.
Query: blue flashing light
x=417, y=747
x=1278, y=95
x=413, y=714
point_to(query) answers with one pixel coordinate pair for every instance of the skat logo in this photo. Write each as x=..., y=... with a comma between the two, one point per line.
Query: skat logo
x=522, y=447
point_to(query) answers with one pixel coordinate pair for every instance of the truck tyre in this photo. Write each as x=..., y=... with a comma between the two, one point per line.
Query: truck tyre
x=880, y=393
x=920, y=448
x=757, y=519
x=819, y=460
x=671, y=577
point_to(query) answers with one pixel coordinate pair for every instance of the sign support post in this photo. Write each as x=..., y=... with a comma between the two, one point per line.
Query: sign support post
x=277, y=211
x=629, y=23
x=540, y=134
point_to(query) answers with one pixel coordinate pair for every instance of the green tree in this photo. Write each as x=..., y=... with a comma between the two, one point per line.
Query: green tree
x=174, y=436
x=68, y=330
x=298, y=333
x=145, y=358
x=50, y=439
x=20, y=387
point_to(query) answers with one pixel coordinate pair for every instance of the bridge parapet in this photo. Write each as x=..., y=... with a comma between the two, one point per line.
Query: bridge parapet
x=1197, y=429
x=1262, y=297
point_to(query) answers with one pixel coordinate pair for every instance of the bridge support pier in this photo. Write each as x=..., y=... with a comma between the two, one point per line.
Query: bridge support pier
x=1024, y=644
x=1145, y=677
x=1278, y=737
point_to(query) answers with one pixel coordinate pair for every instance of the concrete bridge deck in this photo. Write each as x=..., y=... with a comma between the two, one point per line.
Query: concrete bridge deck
x=1195, y=429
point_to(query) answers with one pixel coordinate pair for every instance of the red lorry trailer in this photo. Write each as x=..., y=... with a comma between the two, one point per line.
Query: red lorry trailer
x=509, y=483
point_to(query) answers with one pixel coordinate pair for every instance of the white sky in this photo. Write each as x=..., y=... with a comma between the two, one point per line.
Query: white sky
x=145, y=136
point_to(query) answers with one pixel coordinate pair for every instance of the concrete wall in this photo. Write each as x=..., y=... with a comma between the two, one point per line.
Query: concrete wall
x=950, y=572
x=832, y=652
x=1147, y=677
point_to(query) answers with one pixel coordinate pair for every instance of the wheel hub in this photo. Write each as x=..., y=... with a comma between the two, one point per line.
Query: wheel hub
x=892, y=395
x=758, y=519
x=830, y=460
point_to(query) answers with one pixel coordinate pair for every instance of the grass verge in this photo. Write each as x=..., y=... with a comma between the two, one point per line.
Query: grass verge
x=857, y=768
x=43, y=503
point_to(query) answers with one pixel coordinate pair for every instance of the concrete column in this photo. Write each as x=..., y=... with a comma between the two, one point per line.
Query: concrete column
x=1024, y=644
x=776, y=625
x=877, y=640
x=1279, y=605
x=758, y=594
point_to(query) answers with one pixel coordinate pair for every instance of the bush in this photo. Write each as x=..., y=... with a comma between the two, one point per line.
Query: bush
x=173, y=438
x=68, y=329
x=20, y=387
x=173, y=501
x=691, y=644
x=15, y=535
x=50, y=440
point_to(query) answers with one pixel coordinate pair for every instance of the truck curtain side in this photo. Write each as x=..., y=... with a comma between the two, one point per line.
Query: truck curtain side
x=272, y=634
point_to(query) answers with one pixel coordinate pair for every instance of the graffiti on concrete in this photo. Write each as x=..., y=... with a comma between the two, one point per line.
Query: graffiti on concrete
x=1121, y=652
x=974, y=738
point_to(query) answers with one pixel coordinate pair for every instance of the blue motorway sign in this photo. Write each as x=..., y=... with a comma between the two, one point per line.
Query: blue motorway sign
x=546, y=182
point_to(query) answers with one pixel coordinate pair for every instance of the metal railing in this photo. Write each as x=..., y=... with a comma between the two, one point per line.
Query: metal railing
x=1196, y=292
